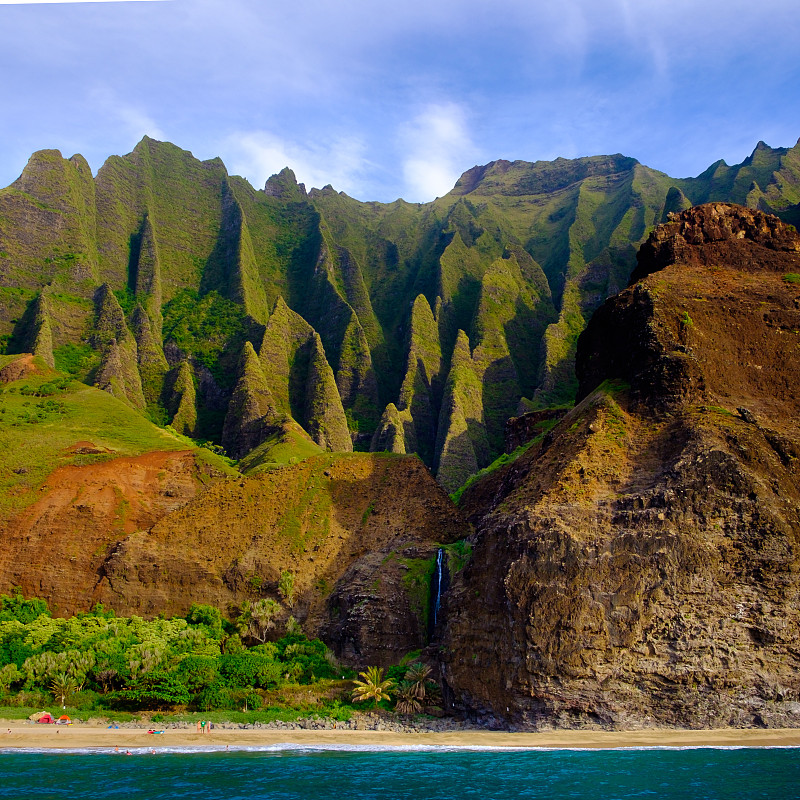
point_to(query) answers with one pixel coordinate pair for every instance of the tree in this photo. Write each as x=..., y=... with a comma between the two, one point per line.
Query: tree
x=210, y=616
x=408, y=698
x=286, y=587
x=418, y=674
x=259, y=618
x=373, y=687
x=9, y=674
x=17, y=607
x=62, y=686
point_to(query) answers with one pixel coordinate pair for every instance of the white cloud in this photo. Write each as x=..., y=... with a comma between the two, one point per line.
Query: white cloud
x=258, y=154
x=437, y=147
x=138, y=123
x=130, y=121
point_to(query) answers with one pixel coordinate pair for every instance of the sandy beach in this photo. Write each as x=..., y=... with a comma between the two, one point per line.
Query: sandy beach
x=28, y=735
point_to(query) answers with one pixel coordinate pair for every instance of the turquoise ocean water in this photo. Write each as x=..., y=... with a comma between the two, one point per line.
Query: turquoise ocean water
x=290, y=773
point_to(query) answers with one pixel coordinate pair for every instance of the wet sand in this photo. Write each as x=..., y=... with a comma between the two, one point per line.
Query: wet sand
x=29, y=735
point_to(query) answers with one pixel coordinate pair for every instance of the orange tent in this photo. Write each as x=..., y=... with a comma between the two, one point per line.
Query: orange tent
x=64, y=720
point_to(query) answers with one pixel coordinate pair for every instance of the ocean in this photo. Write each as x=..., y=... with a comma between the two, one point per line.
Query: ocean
x=289, y=772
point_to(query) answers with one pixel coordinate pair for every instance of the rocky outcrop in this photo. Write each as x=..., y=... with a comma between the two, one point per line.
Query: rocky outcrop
x=520, y=430
x=462, y=446
x=146, y=274
x=118, y=372
x=150, y=357
x=323, y=417
x=420, y=392
x=394, y=429
x=42, y=333
x=343, y=336
x=359, y=554
x=638, y=565
x=251, y=411
x=301, y=380
x=182, y=400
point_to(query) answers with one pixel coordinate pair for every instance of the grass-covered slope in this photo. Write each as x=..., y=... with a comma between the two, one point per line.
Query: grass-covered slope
x=49, y=421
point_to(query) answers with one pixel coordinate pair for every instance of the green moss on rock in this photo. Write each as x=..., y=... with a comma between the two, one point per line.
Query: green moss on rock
x=182, y=402
x=462, y=446
x=252, y=407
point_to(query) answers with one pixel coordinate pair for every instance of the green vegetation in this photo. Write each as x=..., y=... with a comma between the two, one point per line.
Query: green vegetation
x=360, y=304
x=458, y=555
x=44, y=415
x=286, y=587
x=500, y=461
x=76, y=359
x=791, y=277
x=209, y=327
x=417, y=580
x=374, y=687
x=97, y=661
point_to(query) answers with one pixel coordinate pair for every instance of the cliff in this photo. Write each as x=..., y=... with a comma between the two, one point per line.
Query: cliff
x=638, y=565
x=518, y=256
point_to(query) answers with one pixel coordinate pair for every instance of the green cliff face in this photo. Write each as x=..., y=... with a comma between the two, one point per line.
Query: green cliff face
x=183, y=401
x=408, y=327
x=252, y=408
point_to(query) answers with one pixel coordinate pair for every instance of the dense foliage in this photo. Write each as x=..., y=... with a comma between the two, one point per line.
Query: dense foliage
x=99, y=660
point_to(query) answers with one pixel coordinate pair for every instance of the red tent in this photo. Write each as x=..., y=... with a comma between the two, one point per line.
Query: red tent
x=45, y=719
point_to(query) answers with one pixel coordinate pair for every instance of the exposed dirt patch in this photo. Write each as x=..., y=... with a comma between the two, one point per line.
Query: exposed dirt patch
x=87, y=449
x=55, y=548
x=18, y=369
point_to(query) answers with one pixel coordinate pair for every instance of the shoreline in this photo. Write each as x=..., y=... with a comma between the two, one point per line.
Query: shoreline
x=29, y=736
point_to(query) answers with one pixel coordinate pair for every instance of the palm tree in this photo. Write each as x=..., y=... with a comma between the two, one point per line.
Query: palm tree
x=62, y=686
x=373, y=687
x=408, y=698
x=419, y=674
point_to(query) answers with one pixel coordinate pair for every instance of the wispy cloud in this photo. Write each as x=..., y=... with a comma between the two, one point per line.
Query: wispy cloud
x=131, y=121
x=258, y=154
x=437, y=145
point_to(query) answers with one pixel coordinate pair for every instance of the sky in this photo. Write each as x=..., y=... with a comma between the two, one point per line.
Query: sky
x=387, y=100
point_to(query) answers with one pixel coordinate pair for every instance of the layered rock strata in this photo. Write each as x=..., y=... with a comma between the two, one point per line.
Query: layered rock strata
x=640, y=565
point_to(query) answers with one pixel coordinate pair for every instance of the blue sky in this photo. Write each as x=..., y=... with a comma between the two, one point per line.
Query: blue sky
x=397, y=100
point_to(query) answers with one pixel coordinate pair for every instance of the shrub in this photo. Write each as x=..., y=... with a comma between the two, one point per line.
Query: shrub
x=218, y=695
x=209, y=616
x=250, y=669
x=17, y=607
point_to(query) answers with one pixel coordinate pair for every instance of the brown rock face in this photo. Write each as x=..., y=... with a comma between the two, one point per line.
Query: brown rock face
x=57, y=547
x=641, y=565
x=347, y=528
x=155, y=533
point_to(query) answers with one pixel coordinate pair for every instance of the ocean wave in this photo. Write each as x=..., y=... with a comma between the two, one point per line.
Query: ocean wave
x=292, y=747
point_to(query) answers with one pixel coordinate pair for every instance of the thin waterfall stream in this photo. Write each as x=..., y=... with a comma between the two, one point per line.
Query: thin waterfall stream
x=439, y=569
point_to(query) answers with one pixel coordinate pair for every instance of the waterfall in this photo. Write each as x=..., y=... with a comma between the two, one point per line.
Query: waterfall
x=439, y=565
